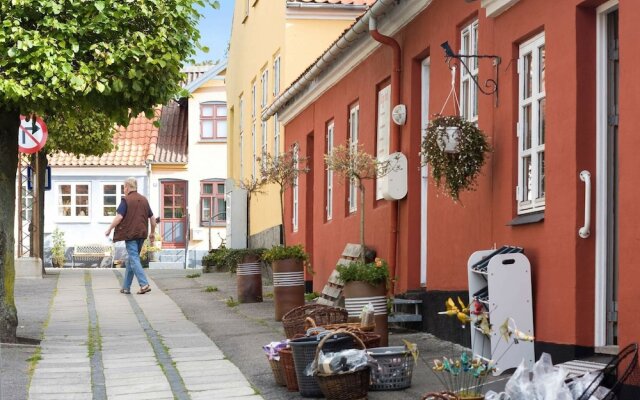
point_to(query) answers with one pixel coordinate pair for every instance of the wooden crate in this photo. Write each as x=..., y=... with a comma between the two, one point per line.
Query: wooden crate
x=332, y=293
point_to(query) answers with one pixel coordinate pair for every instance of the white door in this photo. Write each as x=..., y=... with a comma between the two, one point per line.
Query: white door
x=424, y=177
x=606, y=307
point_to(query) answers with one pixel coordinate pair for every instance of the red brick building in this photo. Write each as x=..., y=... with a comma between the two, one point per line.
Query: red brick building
x=564, y=103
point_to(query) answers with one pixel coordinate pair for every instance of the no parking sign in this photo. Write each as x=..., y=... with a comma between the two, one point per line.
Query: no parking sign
x=32, y=134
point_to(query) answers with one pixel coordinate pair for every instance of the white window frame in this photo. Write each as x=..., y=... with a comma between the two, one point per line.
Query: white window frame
x=264, y=80
x=264, y=149
x=468, y=88
x=296, y=200
x=354, y=122
x=530, y=200
x=254, y=174
x=329, y=209
x=241, y=155
x=276, y=136
x=276, y=76
x=241, y=108
x=119, y=195
x=72, y=206
x=253, y=100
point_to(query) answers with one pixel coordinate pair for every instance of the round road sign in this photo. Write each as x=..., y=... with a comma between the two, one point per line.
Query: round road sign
x=32, y=134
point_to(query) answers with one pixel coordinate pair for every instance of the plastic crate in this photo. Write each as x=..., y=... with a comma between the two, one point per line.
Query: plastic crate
x=395, y=368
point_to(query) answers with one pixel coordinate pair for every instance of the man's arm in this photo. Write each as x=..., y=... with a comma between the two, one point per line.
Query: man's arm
x=116, y=220
x=152, y=233
x=120, y=213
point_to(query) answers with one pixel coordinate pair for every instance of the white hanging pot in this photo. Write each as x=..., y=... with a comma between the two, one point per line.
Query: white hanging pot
x=449, y=139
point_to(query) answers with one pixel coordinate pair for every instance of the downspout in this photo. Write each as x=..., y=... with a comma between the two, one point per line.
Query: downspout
x=395, y=139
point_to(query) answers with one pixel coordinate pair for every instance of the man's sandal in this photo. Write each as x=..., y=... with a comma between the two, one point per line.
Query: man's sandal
x=144, y=289
x=125, y=291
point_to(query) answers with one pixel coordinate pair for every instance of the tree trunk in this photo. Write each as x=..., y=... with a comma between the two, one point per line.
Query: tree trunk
x=284, y=229
x=9, y=123
x=248, y=234
x=362, y=245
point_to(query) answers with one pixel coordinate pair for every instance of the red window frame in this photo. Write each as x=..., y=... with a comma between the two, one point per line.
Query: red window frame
x=214, y=118
x=213, y=197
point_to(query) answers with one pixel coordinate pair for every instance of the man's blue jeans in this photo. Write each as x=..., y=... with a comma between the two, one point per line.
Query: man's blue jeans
x=134, y=267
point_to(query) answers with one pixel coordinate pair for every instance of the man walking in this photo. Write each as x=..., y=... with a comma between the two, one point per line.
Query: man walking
x=131, y=224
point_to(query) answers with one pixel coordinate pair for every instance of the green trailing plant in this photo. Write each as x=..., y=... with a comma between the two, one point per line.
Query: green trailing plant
x=58, y=247
x=454, y=172
x=285, y=252
x=373, y=273
x=211, y=289
x=191, y=276
x=356, y=165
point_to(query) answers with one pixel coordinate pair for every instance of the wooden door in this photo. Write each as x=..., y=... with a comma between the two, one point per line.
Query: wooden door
x=173, y=214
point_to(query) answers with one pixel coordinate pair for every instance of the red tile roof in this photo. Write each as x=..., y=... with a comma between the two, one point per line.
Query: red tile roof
x=174, y=134
x=133, y=145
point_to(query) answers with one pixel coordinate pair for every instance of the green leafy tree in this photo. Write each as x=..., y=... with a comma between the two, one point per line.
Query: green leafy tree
x=119, y=58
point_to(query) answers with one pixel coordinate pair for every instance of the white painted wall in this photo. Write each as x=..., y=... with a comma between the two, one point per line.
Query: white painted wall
x=207, y=160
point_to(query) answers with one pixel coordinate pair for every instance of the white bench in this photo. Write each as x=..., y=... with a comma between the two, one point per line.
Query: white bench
x=92, y=252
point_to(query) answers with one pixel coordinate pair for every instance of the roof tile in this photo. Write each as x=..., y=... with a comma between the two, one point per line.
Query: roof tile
x=138, y=135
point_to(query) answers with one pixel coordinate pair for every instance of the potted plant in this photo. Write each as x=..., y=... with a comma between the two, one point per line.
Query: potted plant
x=455, y=150
x=288, y=277
x=287, y=262
x=367, y=283
x=249, y=276
x=58, y=248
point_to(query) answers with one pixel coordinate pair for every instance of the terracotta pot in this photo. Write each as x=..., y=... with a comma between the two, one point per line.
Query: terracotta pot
x=288, y=286
x=249, y=282
x=357, y=294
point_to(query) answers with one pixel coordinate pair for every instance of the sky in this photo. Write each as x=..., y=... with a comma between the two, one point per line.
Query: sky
x=215, y=29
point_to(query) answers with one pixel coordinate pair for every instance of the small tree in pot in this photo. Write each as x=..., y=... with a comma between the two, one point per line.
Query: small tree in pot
x=357, y=166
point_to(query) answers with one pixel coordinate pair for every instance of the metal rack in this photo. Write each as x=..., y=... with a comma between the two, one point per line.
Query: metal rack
x=500, y=280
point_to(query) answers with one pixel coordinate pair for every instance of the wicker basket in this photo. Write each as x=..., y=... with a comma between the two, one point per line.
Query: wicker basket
x=347, y=385
x=370, y=339
x=288, y=369
x=278, y=373
x=395, y=368
x=349, y=326
x=293, y=321
x=304, y=352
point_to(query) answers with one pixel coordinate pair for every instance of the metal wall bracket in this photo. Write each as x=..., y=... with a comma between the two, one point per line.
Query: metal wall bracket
x=490, y=84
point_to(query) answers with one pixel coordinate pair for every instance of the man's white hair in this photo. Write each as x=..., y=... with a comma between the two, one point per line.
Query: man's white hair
x=132, y=183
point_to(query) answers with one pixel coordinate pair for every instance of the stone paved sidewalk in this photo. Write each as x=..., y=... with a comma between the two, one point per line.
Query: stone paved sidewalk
x=99, y=344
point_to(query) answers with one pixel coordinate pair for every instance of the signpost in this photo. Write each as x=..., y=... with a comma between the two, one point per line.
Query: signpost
x=32, y=136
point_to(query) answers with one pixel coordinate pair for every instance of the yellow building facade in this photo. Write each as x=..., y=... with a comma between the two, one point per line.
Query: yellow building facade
x=272, y=43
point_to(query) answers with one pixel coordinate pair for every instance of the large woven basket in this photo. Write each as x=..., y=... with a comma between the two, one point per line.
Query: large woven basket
x=278, y=373
x=288, y=369
x=347, y=385
x=293, y=321
x=304, y=352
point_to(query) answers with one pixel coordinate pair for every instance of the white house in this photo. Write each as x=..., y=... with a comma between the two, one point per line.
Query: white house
x=181, y=167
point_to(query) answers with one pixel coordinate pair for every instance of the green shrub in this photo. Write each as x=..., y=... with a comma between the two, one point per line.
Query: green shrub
x=372, y=273
x=285, y=252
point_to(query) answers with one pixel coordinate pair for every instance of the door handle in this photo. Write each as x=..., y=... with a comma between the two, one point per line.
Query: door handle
x=585, y=231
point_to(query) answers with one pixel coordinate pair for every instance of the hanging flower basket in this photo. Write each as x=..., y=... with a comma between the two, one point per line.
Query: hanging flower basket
x=449, y=138
x=455, y=150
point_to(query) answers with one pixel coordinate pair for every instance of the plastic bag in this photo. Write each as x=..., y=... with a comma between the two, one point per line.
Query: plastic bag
x=272, y=349
x=588, y=381
x=342, y=361
x=519, y=386
x=491, y=395
x=367, y=315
